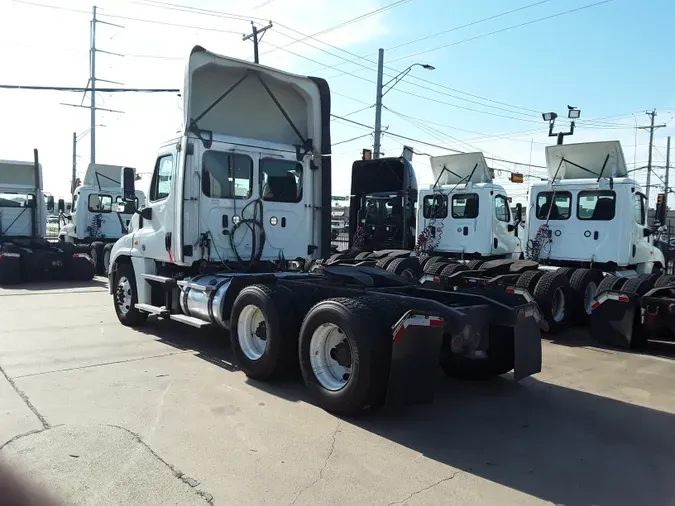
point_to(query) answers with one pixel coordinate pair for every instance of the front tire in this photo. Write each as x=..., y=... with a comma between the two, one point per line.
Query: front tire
x=344, y=356
x=96, y=254
x=107, y=249
x=584, y=284
x=264, y=332
x=125, y=297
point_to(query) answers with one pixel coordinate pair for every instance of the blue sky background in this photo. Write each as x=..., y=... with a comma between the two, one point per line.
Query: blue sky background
x=611, y=60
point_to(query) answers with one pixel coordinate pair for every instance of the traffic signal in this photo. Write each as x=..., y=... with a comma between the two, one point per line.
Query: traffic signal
x=367, y=154
x=516, y=177
x=659, y=199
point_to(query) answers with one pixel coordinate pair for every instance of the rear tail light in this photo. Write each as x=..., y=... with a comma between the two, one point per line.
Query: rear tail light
x=595, y=305
x=623, y=298
x=510, y=289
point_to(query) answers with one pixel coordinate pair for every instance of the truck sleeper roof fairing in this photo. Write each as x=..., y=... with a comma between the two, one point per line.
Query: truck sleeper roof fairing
x=232, y=97
x=243, y=99
x=460, y=168
x=586, y=160
x=103, y=176
x=18, y=175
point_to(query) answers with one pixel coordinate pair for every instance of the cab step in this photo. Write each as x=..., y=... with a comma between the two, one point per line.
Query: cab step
x=163, y=280
x=162, y=312
x=190, y=320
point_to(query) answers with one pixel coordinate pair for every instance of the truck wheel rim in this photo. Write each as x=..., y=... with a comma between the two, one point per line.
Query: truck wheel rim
x=589, y=296
x=558, y=304
x=123, y=295
x=252, y=332
x=330, y=356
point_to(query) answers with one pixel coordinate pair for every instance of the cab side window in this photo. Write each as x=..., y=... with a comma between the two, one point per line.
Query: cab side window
x=502, y=211
x=160, y=187
x=639, y=209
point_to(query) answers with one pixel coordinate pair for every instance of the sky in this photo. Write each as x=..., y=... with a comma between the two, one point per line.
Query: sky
x=498, y=65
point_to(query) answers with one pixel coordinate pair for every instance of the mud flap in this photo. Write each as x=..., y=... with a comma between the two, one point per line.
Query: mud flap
x=614, y=318
x=417, y=340
x=527, y=343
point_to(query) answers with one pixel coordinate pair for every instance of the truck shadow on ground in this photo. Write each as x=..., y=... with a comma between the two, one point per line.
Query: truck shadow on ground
x=97, y=283
x=555, y=443
x=580, y=337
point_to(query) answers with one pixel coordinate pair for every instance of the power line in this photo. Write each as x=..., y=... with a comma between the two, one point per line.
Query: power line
x=396, y=70
x=361, y=17
x=429, y=143
x=512, y=27
x=350, y=140
x=85, y=89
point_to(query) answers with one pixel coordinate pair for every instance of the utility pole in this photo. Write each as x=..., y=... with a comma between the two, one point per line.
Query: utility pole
x=378, y=105
x=256, y=36
x=92, y=81
x=651, y=128
x=72, y=184
x=665, y=193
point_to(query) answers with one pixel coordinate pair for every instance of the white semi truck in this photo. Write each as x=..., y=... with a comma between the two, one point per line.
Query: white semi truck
x=240, y=205
x=95, y=222
x=587, y=232
x=25, y=255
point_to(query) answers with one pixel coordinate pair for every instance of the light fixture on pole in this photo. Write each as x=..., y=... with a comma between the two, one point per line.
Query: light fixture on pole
x=573, y=113
x=381, y=92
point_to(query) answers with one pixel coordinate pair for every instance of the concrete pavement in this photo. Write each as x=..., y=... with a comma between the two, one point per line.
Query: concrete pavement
x=161, y=416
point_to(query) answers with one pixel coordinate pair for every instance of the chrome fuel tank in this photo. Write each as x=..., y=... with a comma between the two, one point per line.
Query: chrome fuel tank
x=202, y=297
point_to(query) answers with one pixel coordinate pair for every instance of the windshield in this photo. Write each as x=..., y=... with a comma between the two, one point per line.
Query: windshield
x=382, y=208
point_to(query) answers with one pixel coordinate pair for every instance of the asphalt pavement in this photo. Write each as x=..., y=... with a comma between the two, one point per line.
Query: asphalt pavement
x=97, y=413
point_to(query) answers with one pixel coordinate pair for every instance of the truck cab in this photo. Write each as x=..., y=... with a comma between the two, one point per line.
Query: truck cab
x=590, y=212
x=382, y=204
x=465, y=214
x=247, y=185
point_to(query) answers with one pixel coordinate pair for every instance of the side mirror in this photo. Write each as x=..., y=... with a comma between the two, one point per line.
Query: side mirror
x=518, y=216
x=30, y=201
x=511, y=227
x=646, y=232
x=128, y=184
x=61, y=206
x=50, y=204
x=146, y=213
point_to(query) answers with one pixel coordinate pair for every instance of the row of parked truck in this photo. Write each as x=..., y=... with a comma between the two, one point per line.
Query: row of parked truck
x=236, y=234
x=86, y=231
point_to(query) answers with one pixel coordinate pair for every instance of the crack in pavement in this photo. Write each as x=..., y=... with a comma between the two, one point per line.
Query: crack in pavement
x=413, y=494
x=19, y=436
x=103, y=364
x=323, y=468
x=178, y=474
x=26, y=400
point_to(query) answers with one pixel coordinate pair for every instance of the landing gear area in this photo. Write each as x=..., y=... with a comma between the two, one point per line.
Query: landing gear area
x=361, y=337
x=38, y=260
x=566, y=296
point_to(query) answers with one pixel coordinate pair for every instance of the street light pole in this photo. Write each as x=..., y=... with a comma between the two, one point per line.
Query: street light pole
x=380, y=92
x=72, y=184
x=378, y=105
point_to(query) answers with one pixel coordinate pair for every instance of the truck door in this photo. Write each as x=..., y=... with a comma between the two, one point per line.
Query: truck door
x=227, y=209
x=288, y=209
x=155, y=235
x=504, y=241
x=599, y=234
x=555, y=209
x=463, y=235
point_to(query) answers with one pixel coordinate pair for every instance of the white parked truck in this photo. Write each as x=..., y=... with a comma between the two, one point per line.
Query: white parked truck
x=25, y=255
x=238, y=208
x=587, y=232
x=95, y=222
